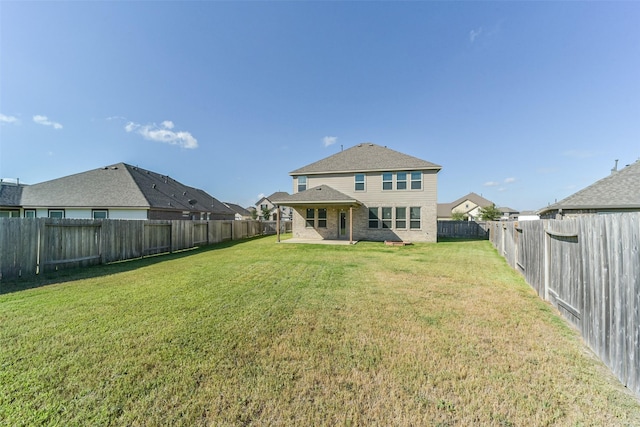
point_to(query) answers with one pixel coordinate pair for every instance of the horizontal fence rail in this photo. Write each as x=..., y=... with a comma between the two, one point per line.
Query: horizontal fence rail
x=589, y=269
x=30, y=246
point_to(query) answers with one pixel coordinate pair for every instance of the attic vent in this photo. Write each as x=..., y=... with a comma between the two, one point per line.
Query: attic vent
x=192, y=201
x=114, y=168
x=153, y=186
x=184, y=194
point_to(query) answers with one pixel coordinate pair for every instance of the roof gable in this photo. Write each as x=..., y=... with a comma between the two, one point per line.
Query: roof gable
x=363, y=158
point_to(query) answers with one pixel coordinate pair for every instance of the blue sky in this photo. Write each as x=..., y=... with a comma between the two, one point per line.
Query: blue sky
x=522, y=102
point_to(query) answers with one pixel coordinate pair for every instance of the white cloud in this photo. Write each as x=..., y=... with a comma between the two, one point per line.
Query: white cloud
x=163, y=133
x=491, y=184
x=329, y=140
x=8, y=119
x=44, y=120
x=509, y=180
x=474, y=34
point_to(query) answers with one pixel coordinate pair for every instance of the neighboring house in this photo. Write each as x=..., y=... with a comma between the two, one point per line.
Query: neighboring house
x=508, y=214
x=468, y=205
x=528, y=216
x=367, y=192
x=618, y=192
x=119, y=191
x=10, y=194
x=266, y=203
x=240, y=212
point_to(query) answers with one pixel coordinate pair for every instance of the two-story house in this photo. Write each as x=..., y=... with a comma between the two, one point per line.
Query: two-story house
x=266, y=206
x=366, y=192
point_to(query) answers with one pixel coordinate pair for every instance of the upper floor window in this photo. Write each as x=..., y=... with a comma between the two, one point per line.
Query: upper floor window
x=302, y=183
x=359, y=182
x=401, y=181
x=387, y=181
x=416, y=180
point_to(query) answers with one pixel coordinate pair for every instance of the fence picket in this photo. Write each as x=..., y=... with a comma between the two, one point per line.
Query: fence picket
x=593, y=276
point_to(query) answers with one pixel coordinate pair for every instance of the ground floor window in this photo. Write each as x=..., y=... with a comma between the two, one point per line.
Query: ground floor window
x=29, y=213
x=311, y=218
x=414, y=213
x=9, y=214
x=395, y=217
x=401, y=217
x=387, y=217
x=373, y=217
x=56, y=213
x=322, y=218
x=100, y=214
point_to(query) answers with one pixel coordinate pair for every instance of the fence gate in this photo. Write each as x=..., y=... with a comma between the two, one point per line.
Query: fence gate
x=563, y=274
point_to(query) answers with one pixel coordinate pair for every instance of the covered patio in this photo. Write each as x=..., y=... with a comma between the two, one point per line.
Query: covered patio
x=322, y=215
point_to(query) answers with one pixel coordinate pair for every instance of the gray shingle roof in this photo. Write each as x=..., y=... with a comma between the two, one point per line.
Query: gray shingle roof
x=619, y=190
x=322, y=194
x=10, y=194
x=120, y=185
x=238, y=209
x=366, y=157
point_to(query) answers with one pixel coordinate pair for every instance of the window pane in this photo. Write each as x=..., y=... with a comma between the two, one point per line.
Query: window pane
x=401, y=180
x=311, y=215
x=414, y=213
x=56, y=214
x=99, y=214
x=386, y=217
x=416, y=180
x=373, y=217
x=322, y=218
x=359, y=182
x=29, y=214
x=302, y=183
x=401, y=217
x=387, y=181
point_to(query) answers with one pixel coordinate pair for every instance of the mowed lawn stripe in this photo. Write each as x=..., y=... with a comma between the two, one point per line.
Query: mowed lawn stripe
x=258, y=333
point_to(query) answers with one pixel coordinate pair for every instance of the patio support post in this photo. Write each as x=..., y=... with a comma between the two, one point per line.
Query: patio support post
x=278, y=222
x=351, y=225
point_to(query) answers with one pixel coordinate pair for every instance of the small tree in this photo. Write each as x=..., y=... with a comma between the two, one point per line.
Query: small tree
x=459, y=216
x=254, y=214
x=490, y=213
x=266, y=213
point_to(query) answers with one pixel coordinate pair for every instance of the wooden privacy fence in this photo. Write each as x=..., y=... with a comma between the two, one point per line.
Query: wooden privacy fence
x=463, y=230
x=29, y=246
x=589, y=268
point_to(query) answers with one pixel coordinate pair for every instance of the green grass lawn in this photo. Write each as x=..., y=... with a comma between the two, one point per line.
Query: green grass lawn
x=260, y=333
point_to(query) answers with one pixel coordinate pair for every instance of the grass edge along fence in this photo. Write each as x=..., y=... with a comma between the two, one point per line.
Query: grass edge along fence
x=589, y=269
x=30, y=246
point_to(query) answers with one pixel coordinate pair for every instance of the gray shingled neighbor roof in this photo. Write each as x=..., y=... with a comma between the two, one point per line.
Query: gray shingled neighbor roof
x=238, y=209
x=10, y=194
x=620, y=190
x=120, y=185
x=366, y=157
x=322, y=194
